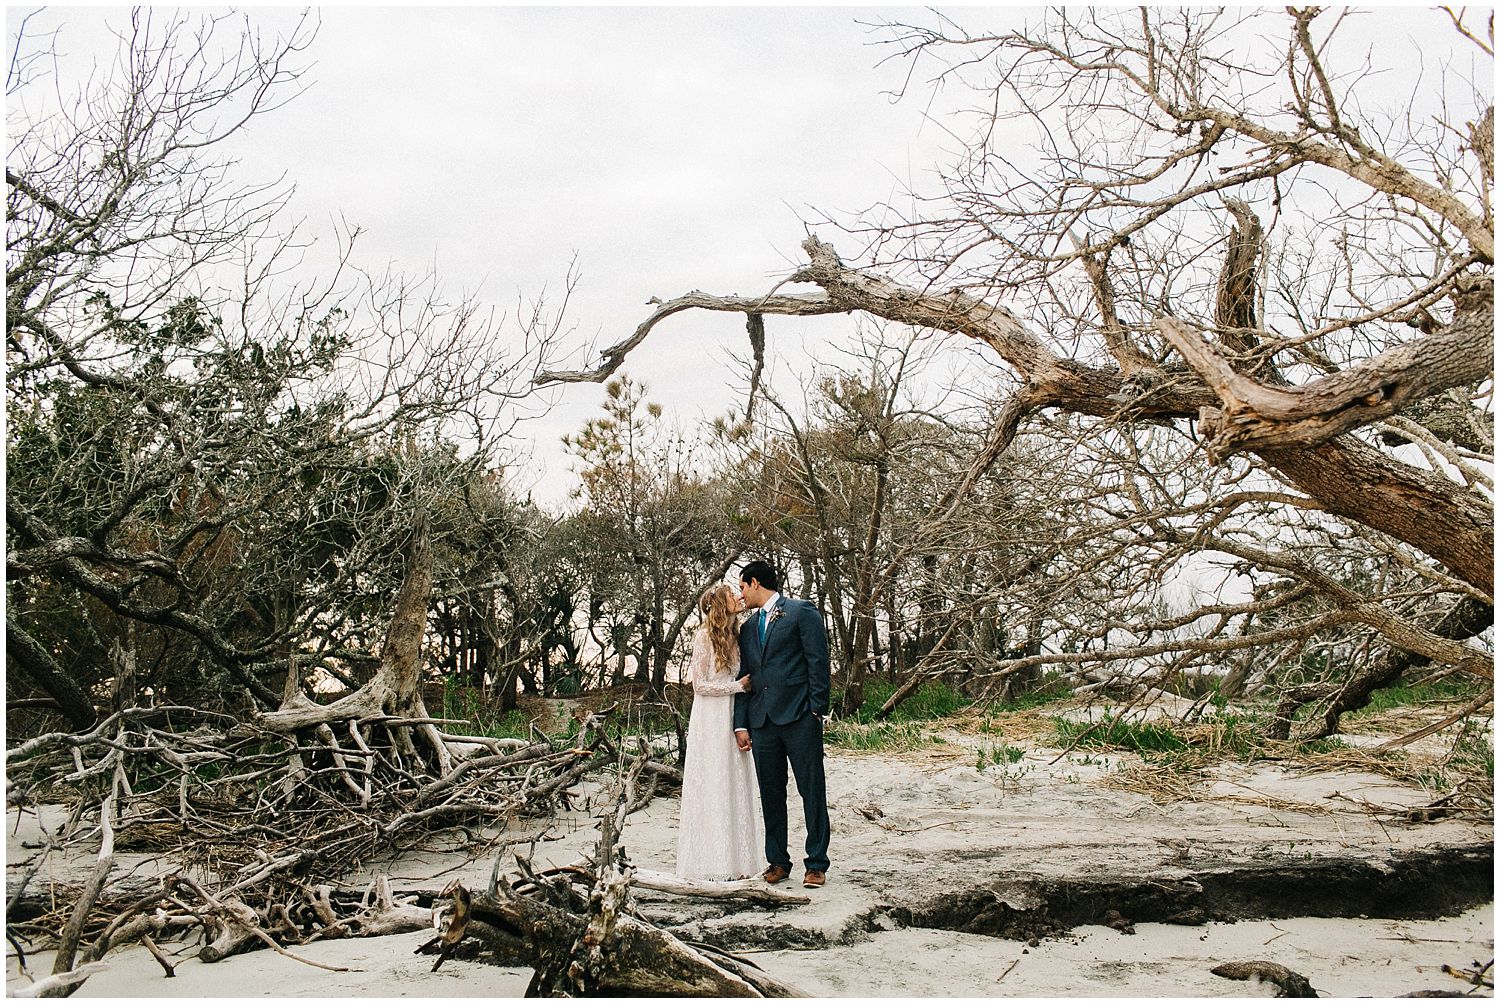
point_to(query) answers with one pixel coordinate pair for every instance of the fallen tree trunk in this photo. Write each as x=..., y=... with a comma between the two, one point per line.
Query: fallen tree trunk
x=753, y=890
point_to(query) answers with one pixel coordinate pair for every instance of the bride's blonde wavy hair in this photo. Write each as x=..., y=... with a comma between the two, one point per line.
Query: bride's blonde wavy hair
x=717, y=608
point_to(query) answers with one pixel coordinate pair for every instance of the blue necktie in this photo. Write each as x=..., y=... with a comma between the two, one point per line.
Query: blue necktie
x=762, y=625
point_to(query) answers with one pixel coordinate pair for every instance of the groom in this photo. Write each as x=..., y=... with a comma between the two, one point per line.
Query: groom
x=784, y=651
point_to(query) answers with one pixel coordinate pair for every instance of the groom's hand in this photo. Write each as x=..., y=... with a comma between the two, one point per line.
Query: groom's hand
x=742, y=740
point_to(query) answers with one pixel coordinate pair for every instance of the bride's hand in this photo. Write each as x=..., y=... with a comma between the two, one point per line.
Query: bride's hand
x=745, y=683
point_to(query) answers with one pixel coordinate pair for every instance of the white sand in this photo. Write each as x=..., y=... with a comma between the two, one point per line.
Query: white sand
x=943, y=824
x=1342, y=958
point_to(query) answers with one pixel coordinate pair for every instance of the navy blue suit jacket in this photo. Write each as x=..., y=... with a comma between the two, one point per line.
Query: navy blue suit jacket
x=788, y=672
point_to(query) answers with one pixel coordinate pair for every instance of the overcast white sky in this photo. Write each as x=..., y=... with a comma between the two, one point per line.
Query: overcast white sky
x=667, y=148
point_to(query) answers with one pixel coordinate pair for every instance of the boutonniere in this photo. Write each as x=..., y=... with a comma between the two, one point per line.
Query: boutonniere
x=772, y=617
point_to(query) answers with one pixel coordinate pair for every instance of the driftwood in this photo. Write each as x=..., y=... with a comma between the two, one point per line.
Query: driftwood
x=753, y=890
x=261, y=811
x=59, y=984
x=1287, y=982
x=605, y=952
x=37, y=899
x=580, y=930
x=67, y=946
x=159, y=956
x=386, y=915
x=1476, y=977
x=262, y=821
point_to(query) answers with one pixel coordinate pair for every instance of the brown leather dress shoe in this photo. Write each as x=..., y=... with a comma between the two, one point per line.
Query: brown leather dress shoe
x=813, y=880
x=775, y=874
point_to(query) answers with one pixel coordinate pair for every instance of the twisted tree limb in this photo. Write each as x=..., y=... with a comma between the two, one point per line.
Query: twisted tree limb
x=1252, y=415
x=1421, y=508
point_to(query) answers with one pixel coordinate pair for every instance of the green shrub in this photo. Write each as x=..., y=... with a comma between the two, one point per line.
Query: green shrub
x=1117, y=733
x=1227, y=735
x=470, y=705
x=999, y=756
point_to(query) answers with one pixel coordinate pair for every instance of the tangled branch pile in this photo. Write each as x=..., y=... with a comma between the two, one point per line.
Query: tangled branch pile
x=259, y=824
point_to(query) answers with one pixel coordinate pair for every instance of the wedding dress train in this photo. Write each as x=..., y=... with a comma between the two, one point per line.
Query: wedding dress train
x=720, y=833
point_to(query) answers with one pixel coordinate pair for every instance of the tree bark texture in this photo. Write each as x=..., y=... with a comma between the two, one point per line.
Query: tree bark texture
x=38, y=663
x=1252, y=415
x=1421, y=509
x=395, y=686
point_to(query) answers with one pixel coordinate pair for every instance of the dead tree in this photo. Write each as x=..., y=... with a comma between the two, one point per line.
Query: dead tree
x=584, y=936
x=1253, y=362
x=1348, y=478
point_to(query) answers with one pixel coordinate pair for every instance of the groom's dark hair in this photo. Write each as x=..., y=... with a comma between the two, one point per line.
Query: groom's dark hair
x=762, y=572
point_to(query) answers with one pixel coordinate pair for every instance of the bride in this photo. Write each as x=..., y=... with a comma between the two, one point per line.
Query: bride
x=720, y=833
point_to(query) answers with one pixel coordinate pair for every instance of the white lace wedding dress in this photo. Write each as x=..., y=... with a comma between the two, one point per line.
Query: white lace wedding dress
x=720, y=834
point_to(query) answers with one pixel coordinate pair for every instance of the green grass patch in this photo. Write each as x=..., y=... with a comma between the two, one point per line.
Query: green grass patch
x=1225, y=736
x=1403, y=696
x=513, y=724
x=1329, y=744
x=1111, y=732
x=932, y=700
x=484, y=720
x=939, y=700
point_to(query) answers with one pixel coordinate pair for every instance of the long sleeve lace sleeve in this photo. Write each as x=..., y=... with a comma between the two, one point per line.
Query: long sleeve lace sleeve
x=705, y=680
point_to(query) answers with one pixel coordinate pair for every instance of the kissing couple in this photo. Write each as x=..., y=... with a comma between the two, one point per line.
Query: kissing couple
x=760, y=700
